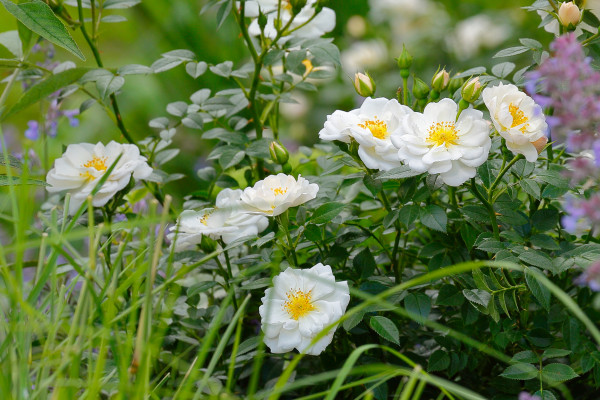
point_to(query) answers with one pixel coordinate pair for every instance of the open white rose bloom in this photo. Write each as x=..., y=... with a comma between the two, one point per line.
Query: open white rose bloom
x=83, y=164
x=436, y=142
x=276, y=193
x=518, y=119
x=371, y=126
x=301, y=303
x=228, y=221
x=304, y=25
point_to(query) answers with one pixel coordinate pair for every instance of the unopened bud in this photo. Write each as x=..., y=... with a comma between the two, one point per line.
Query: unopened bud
x=279, y=154
x=440, y=80
x=420, y=89
x=471, y=90
x=569, y=14
x=297, y=6
x=364, y=85
x=404, y=62
x=286, y=168
x=540, y=144
x=262, y=20
x=207, y=244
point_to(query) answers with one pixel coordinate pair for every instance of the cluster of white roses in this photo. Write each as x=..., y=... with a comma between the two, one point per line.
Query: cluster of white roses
x=440, y=140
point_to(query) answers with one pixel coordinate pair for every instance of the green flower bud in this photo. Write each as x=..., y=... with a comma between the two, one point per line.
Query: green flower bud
x=471, y=90
x=404, y=62
x=440, y=80
x=207, y=244
x=286, y=168
x=262, y=20
x=455, y=84
x=364, y=84
x=420, y=89
x=279, y=154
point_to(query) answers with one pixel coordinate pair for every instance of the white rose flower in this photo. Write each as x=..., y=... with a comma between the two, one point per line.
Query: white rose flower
x=228, y=221
x=276, y=193
x=371, y=126
x=301, y=303
x=435, y=141
x=303, y=25
x=517, y=118
x=80, y=167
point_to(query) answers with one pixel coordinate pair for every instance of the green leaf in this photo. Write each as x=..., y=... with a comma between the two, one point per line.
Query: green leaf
x=434, y=217
x=511, y=51
x=526, y=356
x=502, y=70
x=537, y=258
x=231, y=157
x=540, y=337
x=450, y=295
x=438, y=361
x=477, y=296
x=408, y=214
x=539, y=291
x=12, y=42
x=12, y=162
x=16, y=180
x=326, y=52
x=364, y=262
x=531, y=43
x=385, y=328
x=546, y=395
x=531, y=187
x=556, y=373
x=401, y=172
x=520, y=371
x=470, y=72
x=38, y=17
x=46, y=88
x=555, y=353
x=418, y=304
x=200, y=287
x=326, y=213
x=486, y=173
x=353, y=320
x=544, y=241
x=544, y=220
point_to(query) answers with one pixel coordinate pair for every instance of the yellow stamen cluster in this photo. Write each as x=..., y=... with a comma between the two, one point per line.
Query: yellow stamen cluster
x=98, y=163
x=377, y=127
x=278, y=191
x=204, y=218
x=298, y=303
x=443, y=133
x=308, y=65
x=518, y=117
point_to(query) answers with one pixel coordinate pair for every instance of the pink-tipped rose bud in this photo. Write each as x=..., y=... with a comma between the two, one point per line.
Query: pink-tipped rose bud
x=471, y=90
x=364, y=85
x=569, y=14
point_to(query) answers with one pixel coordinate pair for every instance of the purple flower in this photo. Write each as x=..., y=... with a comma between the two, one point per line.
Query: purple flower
x=590, y=277
x=33, y=130
x=596, y=148
x=567, y=82
x=582, y=213
x=527, y=396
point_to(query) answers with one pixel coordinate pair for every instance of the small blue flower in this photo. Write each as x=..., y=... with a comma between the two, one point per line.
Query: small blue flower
x=33, y=130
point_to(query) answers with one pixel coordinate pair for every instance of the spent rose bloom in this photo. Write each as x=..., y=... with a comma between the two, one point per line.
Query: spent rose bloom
x=81, y=165
x=372, y=126
x=301, y=303
x=518, y=119
x=304, y=25
x=436, y=142
x=228, y=220
x=276, y=193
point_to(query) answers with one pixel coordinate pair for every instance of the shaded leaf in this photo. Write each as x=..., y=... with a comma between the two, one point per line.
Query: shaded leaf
x=385, y=328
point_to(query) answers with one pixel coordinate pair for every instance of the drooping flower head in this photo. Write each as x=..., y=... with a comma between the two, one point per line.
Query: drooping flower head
x=228, y=221
x=304, y=25
x=83, y=164
x=371, y=126
x=517, y=119
x=276, y=193
x=436, y=142
x=301, y=303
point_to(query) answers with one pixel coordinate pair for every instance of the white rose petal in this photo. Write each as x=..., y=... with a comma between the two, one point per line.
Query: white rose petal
x=518, y=119
x=372, y=126
x=301, y=303
x=82, y=165
x=436, y=142
x=228, y=221
x=276, y=193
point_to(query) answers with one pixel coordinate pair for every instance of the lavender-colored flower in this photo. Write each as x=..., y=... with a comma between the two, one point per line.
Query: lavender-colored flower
x=567, y=82
x=590, y=277
x=527, y=396
x=582, y=213
x=33, y=130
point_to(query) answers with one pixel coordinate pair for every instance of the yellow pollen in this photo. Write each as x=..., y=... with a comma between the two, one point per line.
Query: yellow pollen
x=298, y=303
x=443, y=133
x=308, y=65
x=278, y=191
x=98, y=163
x=518, y=117
x=204, y=218
x=377, y=127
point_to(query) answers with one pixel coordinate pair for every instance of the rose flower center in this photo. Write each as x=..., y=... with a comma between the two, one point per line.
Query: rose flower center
x=518, y=117
x=298, y=303
x=443, y=133
x=279, y=191
x=98, y=163
x=377, y=127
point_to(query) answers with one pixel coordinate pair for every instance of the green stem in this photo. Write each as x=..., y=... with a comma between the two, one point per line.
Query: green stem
x=228, y=263
x=488, y=206
x=283, y=221
x=504, y=171
x=405, y=90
